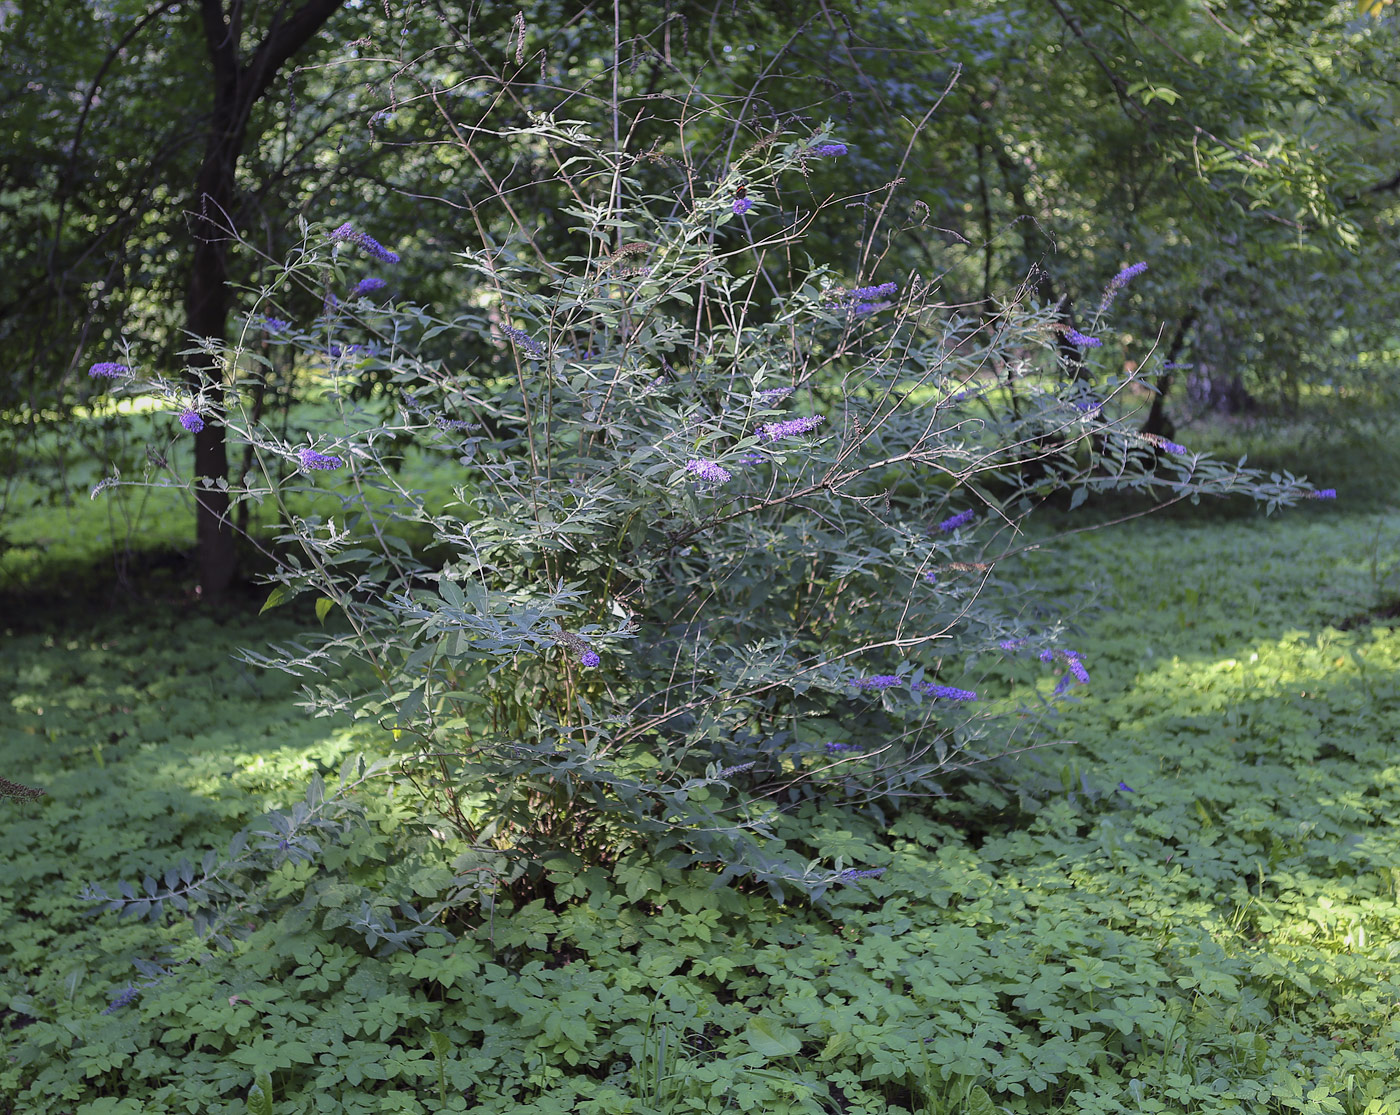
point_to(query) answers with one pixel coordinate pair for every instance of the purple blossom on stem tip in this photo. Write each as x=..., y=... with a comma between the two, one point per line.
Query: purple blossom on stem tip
x=727, y=771
x=1127, y=275
x=310, y=459
x=947, y=692
x=125, y=999
x=863, y=293
x=368, y=286
x=1076, y=667
x=1081, y=340
x=829, y=149
x=274, y=325
x=109, y=370
x=523, y=339
x=960, y=519
x=1323, y=493
x=877, y=681
x=1126, y=788
x=837, y=748
x=191, y=421
x=742, y=205
x=707, y=470
x=589, y=658
x=851, y=874
x=772, y=431
x=347, y=233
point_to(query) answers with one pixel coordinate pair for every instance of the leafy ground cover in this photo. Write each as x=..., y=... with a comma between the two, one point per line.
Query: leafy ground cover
x=1189, y=905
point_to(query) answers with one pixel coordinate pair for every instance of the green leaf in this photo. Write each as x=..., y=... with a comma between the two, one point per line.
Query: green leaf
x=323, y=608
x=770, y=1039
x=260, y=1095
x=275, y=597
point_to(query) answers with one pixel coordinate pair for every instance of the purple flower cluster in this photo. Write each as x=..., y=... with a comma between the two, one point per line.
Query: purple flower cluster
x=742, y=205
x=772, y=431
x=1126, y=788
x=1163, y=444
x=368, y=286
x=1118, y=282
x=524, y=340
x=960, y=519
x=589, y=658
x=865, y=293
x=191, y=420
x=837, y=748
x=1076, y=667
x=947, y=692
x=347, y=233
x=771, y=395
x=850, y=875
x=1323, y=493
x=125, y=999
x=337, y=351
x=274, y=325
x=829, y=149
x=708, y=471
x=310, y=459
x=1081, y=340
x=877, y=681
x=727, y=771
x=109, y=370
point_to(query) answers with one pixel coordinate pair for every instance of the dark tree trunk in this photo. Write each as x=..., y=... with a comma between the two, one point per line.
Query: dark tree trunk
x=238, y=86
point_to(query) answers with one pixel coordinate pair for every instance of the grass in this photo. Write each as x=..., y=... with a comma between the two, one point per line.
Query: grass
x=1190, y=905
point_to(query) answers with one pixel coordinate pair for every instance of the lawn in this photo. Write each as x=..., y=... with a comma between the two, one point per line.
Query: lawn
x=1191, y=903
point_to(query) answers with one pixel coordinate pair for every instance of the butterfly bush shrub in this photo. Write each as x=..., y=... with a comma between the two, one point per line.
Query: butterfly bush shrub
x=726, y=536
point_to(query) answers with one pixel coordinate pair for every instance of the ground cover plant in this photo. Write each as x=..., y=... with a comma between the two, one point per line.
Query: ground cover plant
x=1187, y=906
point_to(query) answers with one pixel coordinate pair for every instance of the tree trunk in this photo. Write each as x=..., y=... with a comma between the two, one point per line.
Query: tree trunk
x=237, y=88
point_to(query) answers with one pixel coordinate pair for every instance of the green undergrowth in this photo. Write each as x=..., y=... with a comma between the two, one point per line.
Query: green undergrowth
x=1190, y=904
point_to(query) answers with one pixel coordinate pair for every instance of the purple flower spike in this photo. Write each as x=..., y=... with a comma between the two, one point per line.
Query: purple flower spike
x=368, y=286
x=1081, y=340
x=1173, y=447
x=1127, y=275
x=1323, y=493
x=947, y=692
x=850, y=875
x=1126, y=788
x=960, y=519
x=742, y=205
x=772, y=431
x=191, y=421
x=708, y=471
x=1076, y=667
x=589, y=658
x=864, y=293
x=310, y=459
x=829, y=149
x=524, y=340
x=125, y=999
x=837, y=748
x=109, y=370
x=878, y=681
x=274, y=325
x=371, y=246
